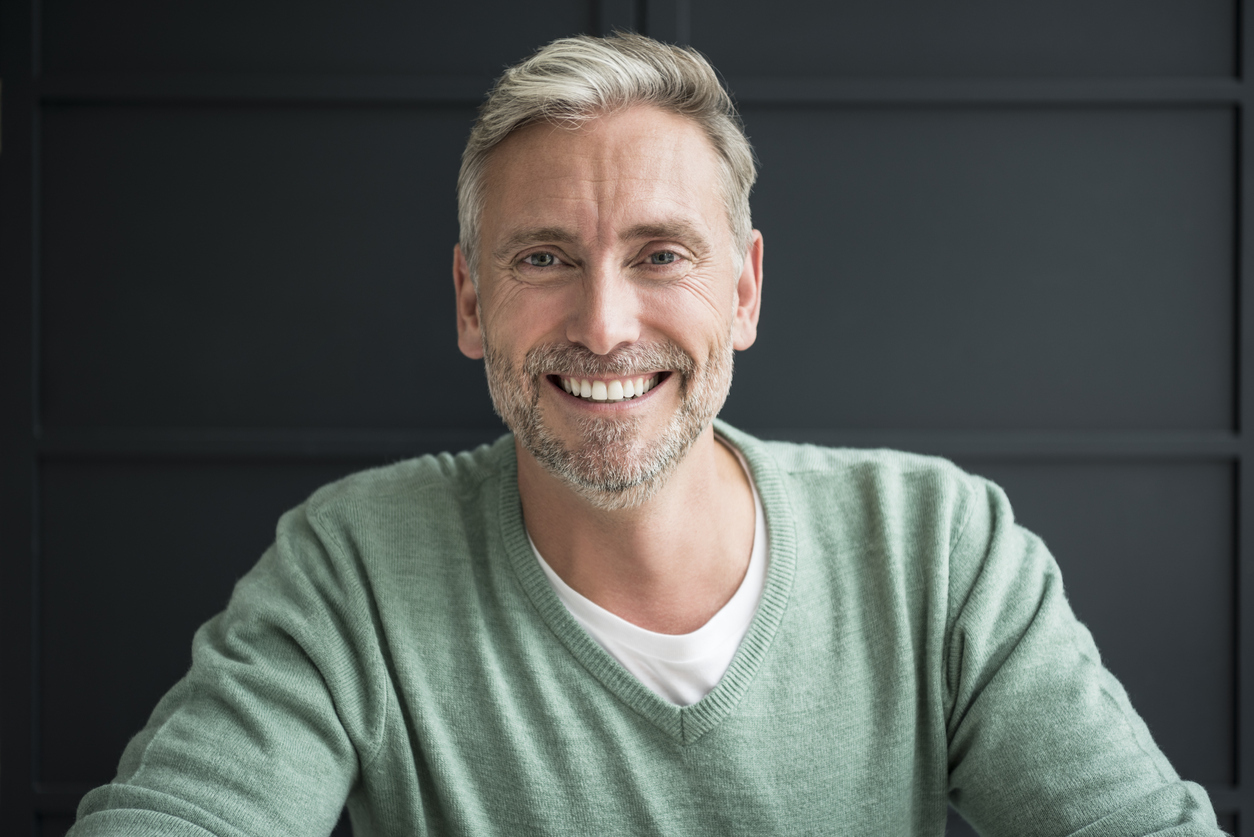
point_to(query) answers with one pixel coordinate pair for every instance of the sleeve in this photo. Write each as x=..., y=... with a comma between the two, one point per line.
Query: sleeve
x=1042, y=738
x=268, y=731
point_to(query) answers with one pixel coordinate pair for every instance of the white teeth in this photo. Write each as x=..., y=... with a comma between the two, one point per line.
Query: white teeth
x=616, y=390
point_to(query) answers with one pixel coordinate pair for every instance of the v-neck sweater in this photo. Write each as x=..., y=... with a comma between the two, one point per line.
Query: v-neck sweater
x=400, y=648
x=682, y=668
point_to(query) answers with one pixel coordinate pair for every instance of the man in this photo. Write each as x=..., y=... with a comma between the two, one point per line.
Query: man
x=627, y=617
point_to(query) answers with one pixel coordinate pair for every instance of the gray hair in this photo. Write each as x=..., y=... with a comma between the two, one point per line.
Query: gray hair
x=576, y=79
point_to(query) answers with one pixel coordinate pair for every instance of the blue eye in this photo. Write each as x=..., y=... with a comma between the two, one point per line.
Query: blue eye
x=663, y=257
x=541, y=260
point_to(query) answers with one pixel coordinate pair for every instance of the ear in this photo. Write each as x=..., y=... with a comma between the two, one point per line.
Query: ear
x=469, y=327
x=748, y=296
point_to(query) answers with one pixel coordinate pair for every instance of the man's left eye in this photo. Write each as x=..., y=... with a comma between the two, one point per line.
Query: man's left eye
x=662, y=257
x=541, y=260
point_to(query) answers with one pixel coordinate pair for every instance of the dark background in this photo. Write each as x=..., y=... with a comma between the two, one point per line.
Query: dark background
x=1008, y=233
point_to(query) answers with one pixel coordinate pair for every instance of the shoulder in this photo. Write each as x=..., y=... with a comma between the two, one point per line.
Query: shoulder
x=878, y=481
x=430, y=501
x=878, y=498
x=444, y=473
x=864, y=465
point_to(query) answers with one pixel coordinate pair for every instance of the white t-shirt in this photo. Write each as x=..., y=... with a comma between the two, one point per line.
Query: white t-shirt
x=682, y=668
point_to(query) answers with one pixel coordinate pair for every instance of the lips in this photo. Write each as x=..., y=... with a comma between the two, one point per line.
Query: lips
x=611, y=389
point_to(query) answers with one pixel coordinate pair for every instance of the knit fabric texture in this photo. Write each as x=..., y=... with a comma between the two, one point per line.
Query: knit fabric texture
x=399, y=649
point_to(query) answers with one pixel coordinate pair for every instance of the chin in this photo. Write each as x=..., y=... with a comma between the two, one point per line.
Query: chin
x=611, y=466
x=612, y=463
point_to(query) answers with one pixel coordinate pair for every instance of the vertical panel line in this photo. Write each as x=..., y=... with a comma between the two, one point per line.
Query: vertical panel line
x=611, y=15
x=36, y=39
x=1239, y=132
x=17, y=445
x=600, y=16
x=36, y=261
x=36, y=340
x=1238, y=29
x=667, y=20
x=683, y=21
x=36, y=545
x=1244, y=627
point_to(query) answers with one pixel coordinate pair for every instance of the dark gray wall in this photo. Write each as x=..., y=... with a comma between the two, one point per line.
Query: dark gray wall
x=1007, y=233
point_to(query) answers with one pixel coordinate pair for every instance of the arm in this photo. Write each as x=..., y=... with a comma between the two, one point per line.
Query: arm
x=1042, y=738
x=263, y=735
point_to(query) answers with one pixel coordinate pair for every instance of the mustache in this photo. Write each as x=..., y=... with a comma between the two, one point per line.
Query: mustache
x=572, y=359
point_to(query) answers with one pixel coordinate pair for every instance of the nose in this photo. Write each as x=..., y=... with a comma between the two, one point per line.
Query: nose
x=606, y=314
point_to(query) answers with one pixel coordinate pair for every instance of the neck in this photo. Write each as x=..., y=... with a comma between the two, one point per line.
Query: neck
x=668, y=564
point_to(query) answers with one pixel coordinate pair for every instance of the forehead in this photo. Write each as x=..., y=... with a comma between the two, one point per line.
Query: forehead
x=638, y=166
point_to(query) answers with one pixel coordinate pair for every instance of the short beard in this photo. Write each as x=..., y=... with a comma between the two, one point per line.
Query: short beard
x=612, y=467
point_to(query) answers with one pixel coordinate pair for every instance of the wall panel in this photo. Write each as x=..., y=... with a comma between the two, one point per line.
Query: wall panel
x=1147, y=555
x=55, y=825
x=314, y=36
x=1019, y=268
x=1003, y=230
x=136, y=555
x=253, y=267
x=979, y=38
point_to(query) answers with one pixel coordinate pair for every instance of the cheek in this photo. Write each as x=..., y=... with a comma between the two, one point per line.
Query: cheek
x=522, y=317
x=694, y=306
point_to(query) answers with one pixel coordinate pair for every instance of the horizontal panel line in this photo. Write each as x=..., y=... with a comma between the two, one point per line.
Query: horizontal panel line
x=331, y=444
x=470, y=90
x=1024, y=445
x=257, y=443
x=990, y=91
x=1225, y=800
x=310, y=89
x=60, y=798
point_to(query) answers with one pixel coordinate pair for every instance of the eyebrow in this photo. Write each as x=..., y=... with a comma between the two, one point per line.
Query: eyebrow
x=531, y=235
x=676, y=230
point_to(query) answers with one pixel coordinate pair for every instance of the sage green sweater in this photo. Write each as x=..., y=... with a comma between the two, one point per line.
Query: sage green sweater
x=400, y=648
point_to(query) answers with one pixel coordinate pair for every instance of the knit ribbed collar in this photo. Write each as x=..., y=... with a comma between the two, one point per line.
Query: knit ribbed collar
x=685, y=723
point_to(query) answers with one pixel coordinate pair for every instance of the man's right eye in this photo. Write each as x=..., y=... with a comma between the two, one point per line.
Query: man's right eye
x=540, y=259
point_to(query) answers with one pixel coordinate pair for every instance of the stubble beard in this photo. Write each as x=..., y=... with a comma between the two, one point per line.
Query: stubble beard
x=611, y=465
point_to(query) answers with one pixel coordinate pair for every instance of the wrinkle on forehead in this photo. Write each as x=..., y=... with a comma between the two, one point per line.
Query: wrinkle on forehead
x=632, y=169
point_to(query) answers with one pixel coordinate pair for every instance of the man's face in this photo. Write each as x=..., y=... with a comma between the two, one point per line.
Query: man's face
x=606, y=261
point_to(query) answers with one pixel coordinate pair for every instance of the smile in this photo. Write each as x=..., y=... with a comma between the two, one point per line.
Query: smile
x=617, y=389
